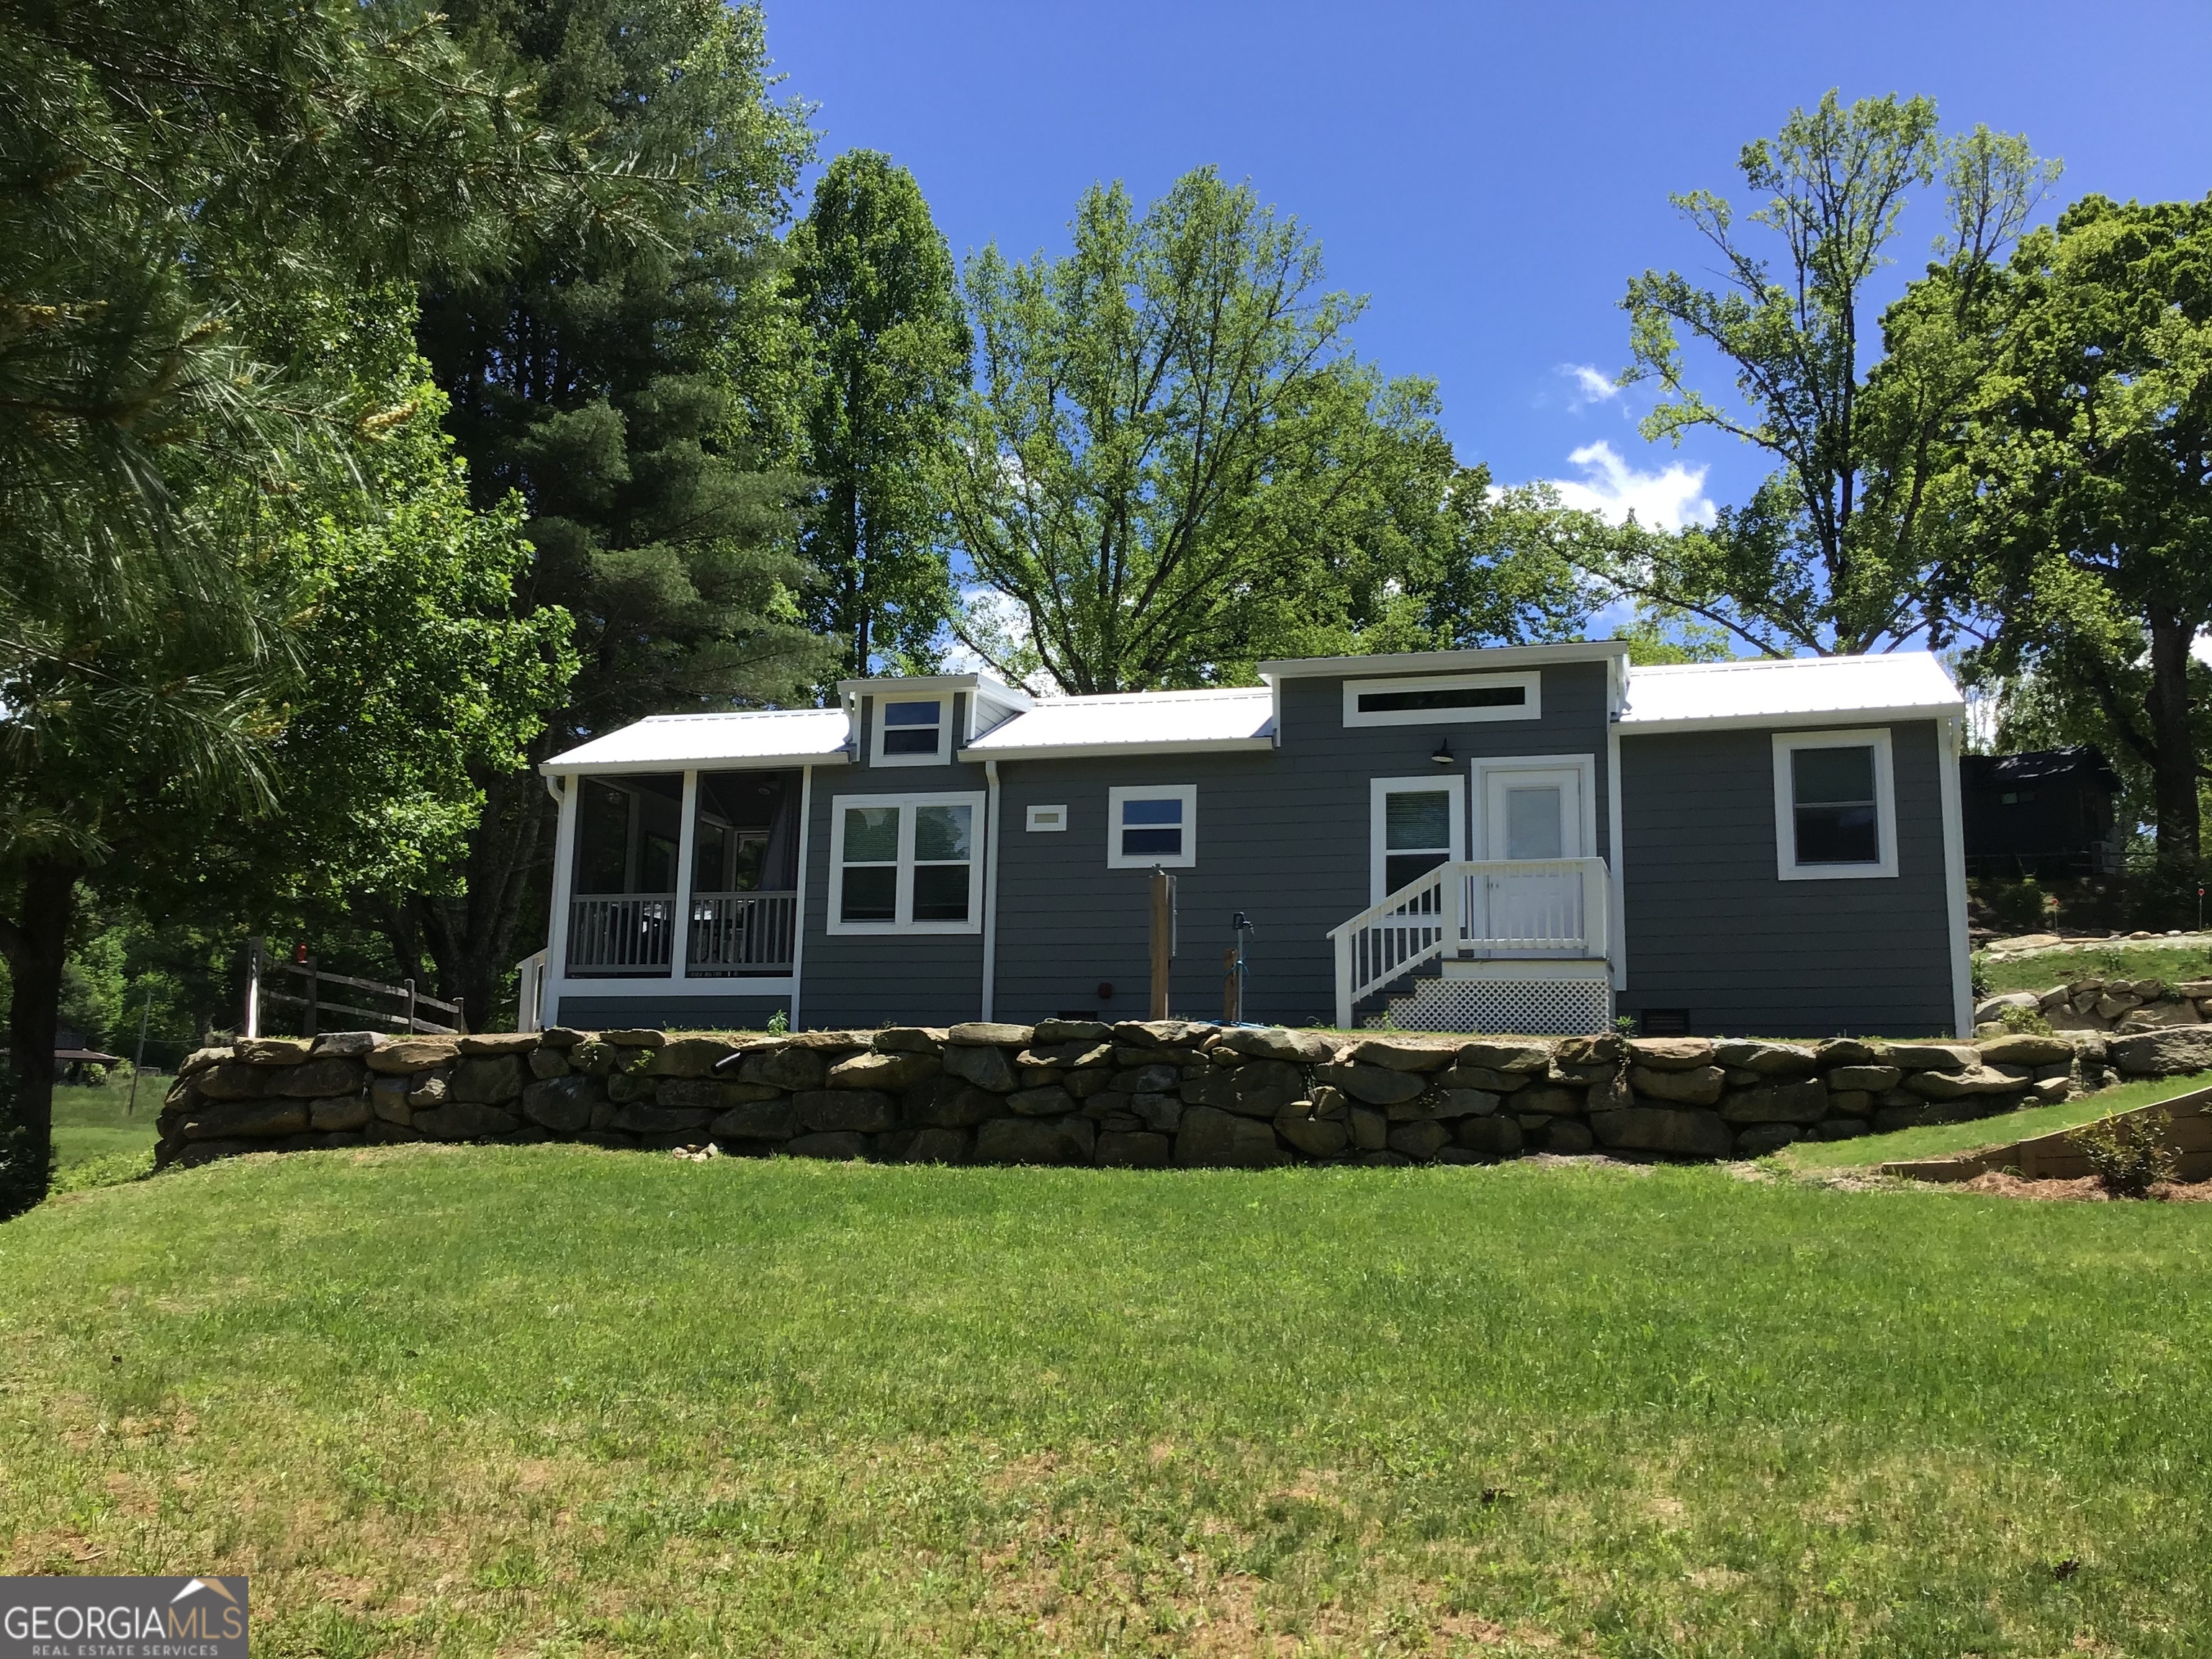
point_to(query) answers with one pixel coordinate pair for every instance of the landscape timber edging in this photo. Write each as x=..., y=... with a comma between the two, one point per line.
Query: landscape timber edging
x=1143, y=1093
x=2058, y=1156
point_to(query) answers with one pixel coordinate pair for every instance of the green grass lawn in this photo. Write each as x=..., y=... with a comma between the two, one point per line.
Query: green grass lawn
x=2116, y=960
x=552, y=1400
x=1943, y=1139
x=96, y=1138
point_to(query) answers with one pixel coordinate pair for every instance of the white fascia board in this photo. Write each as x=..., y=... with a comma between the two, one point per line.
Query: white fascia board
x=1443, y=662
x=1105, y=751
x=559, y=768
x=1636, y=728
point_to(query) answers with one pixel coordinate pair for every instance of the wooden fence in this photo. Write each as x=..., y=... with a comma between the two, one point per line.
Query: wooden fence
x=407, y=1017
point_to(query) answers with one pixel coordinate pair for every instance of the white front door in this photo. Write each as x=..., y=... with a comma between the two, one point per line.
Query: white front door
x=1533, y=814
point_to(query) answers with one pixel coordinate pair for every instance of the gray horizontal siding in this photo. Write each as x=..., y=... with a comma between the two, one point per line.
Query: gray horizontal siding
x=687, y=1012
x=1283, y=836
x=1711, y=929
x=883, y=979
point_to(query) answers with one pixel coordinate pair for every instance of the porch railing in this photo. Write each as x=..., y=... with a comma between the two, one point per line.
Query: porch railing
x=741, y=933
x=1492, y=907
x=620, y=933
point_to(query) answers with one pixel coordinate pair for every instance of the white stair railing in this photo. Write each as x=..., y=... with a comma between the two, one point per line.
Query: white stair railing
x=1537, y=908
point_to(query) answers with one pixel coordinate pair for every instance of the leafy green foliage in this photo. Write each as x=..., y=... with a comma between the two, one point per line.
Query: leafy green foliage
x=2087, y=521
x=2130, y=1155
x=1837, y=551
x=1172, y=465
x=874, y=285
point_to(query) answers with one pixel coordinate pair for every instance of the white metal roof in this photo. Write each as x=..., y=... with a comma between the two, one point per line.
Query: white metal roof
x=1137, y=722
x=678, y=741
x=1816, y=690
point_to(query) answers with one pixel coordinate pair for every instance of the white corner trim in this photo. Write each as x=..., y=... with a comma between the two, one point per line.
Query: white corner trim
x=978, y=804
x=1617, y=936
x=1531, y=707
x=1955, y=876
x=1186, y=859
x=1585, y=766
x=564, y=876
x=799, y=920
x=1379, y=790
x=1786, y=867
x=990, y=892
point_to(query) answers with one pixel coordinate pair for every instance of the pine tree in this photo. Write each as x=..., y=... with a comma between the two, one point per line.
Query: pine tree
x=638, y=395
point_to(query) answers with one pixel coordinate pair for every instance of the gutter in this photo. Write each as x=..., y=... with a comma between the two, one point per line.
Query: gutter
x=1107, y=750
x=1803, y=719
x=990, y=889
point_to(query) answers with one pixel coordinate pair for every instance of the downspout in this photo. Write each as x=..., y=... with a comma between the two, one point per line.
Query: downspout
x=990, y=890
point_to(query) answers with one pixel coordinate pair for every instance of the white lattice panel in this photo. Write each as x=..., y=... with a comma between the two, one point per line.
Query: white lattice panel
x=1537, y=1007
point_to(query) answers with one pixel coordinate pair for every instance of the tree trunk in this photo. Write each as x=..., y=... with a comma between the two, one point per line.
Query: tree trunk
x=2167, y=704
x=471, y=937
x=35, y=946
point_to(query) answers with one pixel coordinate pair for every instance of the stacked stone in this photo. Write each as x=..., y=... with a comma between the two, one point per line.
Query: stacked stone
x=1142, y=1094
x=2123, y=1006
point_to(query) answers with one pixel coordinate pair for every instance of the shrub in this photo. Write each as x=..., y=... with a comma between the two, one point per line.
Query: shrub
x=2129, y=1155
x=2029, y=1021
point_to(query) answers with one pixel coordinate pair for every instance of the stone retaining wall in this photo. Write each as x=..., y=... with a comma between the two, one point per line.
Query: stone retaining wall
x=1141, y=1094
x=2123, y=1006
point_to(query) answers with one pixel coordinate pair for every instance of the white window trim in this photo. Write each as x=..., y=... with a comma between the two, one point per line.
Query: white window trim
x=1533, y=709
x=904, y=905
x=1379, y=791
x=1786, y=867
x=941, y=755
x=1058, y=824
x=1186, y=859
x=1585, y=825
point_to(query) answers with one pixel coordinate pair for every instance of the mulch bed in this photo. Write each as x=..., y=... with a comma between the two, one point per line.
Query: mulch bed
x=2002, y=1183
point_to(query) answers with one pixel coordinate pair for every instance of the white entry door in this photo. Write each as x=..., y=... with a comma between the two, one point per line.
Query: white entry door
x=1533, y=814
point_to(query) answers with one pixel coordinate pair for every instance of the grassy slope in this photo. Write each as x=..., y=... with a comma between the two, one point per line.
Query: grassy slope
x=95, y=1135
x=2045, y=969
x=1943, y=1139
x=549, y=1399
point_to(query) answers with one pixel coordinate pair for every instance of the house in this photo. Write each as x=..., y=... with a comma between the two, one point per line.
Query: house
x=2047, y=813
x=1530, y=838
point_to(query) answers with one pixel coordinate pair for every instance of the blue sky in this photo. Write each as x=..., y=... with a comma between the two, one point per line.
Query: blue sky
x=1489, y=175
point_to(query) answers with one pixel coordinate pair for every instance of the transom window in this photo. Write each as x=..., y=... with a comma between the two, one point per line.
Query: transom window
x=1444, y=699
x=1834, y=805
x=904, y=864
x=1150, y=826
x=910, y=730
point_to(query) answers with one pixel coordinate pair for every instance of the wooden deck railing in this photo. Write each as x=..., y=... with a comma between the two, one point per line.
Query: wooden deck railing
x=741, y=933
x=1534, y=908
x=619, y=933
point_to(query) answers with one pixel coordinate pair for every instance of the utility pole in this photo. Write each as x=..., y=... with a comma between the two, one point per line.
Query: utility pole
x=139, y=1065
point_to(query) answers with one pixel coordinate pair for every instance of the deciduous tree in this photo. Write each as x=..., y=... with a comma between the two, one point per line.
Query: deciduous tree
x=876, y=289
x=1838, y=550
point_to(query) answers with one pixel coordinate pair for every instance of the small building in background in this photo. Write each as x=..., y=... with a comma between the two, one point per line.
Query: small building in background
x=73, y=1053
x=2047, y=813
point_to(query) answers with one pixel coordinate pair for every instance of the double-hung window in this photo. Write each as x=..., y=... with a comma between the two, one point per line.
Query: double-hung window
x=1157, y=825
x=905, y=864
x=1416, y=826
x=1835, y=806
x=912, y=731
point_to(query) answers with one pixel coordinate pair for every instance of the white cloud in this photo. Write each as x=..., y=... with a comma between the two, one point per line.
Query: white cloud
x=1592, y=386
x=1611, y=488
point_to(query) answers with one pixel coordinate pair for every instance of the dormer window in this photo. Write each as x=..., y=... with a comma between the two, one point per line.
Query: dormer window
x=911, y=731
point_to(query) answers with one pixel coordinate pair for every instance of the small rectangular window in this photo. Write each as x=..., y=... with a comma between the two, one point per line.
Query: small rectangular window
x=1145, y=827
x=1444, y=699
x=910, y=730
x=905, y=864
x=1047, y=818
x=1835, y=806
